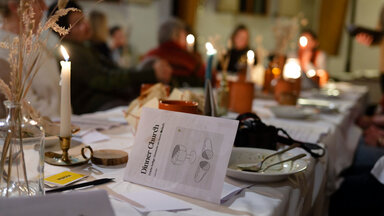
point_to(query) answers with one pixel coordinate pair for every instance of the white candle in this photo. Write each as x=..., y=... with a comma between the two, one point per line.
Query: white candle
x=250, y=61
x=190, y=42
x=65, y=107
x=211, y=51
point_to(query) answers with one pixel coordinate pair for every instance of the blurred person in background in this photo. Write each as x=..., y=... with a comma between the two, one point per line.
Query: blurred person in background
x=310, y=56
x=119, y=47
x=238, y=48
x=97, y=83
x=369, y=40
x=360, y=194
x=188, y=69
x=44, y=94
x=100, y=33
x=313, y=62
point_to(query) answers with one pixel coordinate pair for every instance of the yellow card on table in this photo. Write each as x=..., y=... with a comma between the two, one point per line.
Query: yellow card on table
x=64, y=178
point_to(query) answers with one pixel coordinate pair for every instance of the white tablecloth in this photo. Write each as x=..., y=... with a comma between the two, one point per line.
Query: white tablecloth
x=300, y=194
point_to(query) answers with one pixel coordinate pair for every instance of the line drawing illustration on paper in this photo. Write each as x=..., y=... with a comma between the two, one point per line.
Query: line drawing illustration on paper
x=207, y=152
x=180, y=154
x=202, y=170
x=193, y=156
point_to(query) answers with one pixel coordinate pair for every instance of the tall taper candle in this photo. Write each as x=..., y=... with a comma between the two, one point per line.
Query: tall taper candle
x=211, y=51
x=250, y=62
x=190, y=42
x=65, y=106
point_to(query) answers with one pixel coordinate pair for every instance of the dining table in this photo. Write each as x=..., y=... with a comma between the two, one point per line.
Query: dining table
x=303, y=193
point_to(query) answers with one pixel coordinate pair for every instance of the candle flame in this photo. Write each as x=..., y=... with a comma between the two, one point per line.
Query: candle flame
x=292, y=69
x=311, y=73
x=64, y=53
x=250, y=55
x=210, y=49
x=303, y=41
x=190, y=39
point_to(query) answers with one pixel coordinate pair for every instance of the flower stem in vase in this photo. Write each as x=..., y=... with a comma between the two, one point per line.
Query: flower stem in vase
x=22, y=138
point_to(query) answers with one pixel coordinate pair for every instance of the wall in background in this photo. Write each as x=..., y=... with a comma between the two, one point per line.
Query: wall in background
x=142, y=21
x=211, y=23
x=367, y=14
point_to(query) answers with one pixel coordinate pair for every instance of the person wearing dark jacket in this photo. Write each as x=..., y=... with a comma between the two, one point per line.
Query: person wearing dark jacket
x=97, y=83
x=239, y=46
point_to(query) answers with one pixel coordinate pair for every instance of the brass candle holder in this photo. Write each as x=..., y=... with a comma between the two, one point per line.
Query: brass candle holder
x=65, y=159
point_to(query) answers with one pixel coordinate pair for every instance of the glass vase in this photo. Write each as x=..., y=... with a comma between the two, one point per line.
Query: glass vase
x=21, y=154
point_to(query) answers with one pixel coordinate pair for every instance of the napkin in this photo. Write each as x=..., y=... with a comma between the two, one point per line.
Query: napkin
x=156, y=201
x=210, y=103
x=91, y=137
x=230, y=190
x=95, y=202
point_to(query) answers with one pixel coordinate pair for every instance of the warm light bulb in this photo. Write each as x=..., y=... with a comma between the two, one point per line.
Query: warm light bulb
x=303, y=41
x=210, y=49
x=311, y=73
x=64, y=53
x=292, y=69
x=250, y=55
x=190, y=39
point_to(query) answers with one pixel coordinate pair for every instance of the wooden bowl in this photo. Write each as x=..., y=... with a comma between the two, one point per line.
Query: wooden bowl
x=179, y=106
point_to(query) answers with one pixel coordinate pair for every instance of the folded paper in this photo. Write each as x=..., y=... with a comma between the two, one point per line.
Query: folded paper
x=182, y=153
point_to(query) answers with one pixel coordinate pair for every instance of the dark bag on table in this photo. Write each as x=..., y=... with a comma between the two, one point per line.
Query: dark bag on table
x=252, y=132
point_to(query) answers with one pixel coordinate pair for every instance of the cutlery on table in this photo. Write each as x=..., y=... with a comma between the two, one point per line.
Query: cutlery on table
x=283, y=161
x=255, y=167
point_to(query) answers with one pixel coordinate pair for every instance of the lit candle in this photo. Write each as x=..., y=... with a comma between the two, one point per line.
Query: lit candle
x=287, y=90
x=211, y=51
x=250, y=61
x=190, y=42
x=323, y=75
x=292, y=69
x=303, y=41
x=311, y=73
x=65, y=108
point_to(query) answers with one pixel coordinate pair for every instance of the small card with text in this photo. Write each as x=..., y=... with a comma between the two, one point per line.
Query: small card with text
x=63, y=178
x=182, y=153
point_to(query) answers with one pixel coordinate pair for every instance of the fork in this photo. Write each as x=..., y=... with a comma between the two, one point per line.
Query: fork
x=257, y=167
x=283, y=161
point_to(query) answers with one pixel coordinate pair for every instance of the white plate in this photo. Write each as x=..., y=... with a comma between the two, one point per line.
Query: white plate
x=323, y=106
x=327, y=93
x=255, y=155
x=293, y=112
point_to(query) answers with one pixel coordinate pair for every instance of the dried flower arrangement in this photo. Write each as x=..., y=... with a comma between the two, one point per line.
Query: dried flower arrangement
x=25, y=61
x=24, y=65
x=286, y=30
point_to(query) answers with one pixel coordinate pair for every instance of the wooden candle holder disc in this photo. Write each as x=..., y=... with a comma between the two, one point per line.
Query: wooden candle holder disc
x=109, y=157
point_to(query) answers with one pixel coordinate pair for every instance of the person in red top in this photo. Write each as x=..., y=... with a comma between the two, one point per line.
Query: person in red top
x=188, y=68
x=311, y=58
x=309, y=55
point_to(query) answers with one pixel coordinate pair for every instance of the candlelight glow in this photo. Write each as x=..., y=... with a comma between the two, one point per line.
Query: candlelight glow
x=311, y=73
x=303, y=41
x=276, y=71
x=210, y=49
x=64, y=53
x=190, y=39
x=250, y=55
x=323, y=77
x=292, y=69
